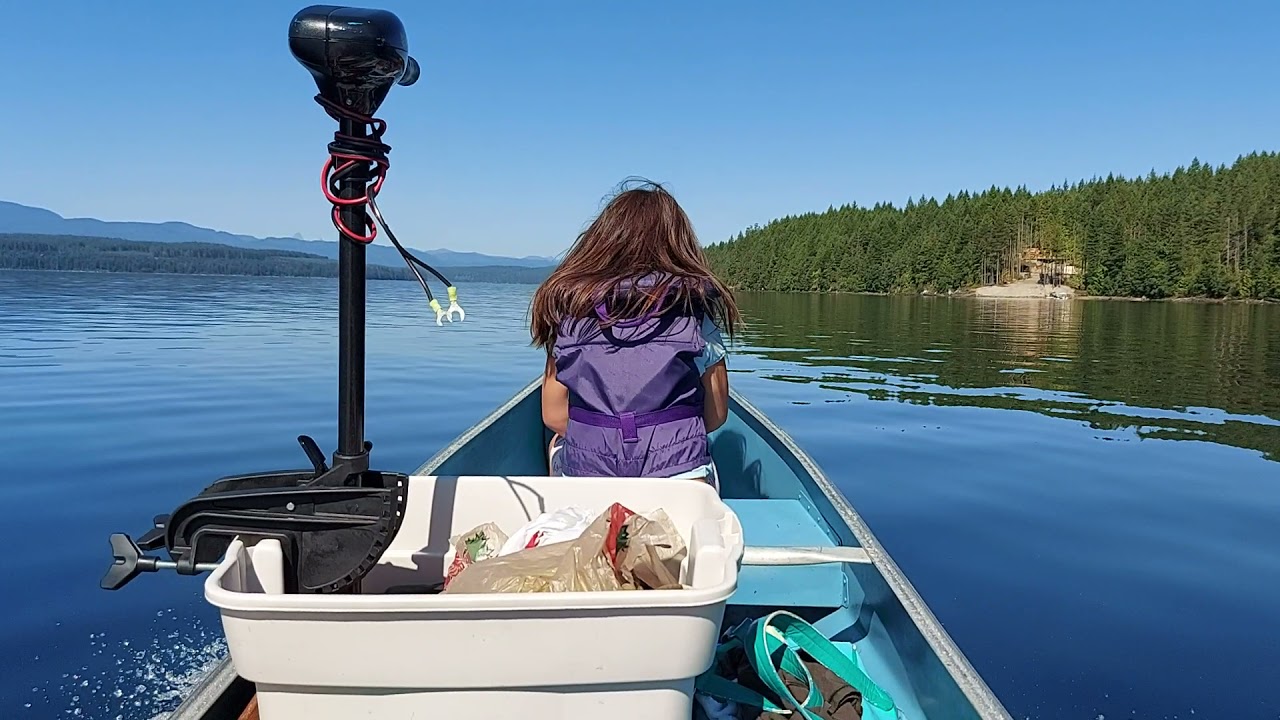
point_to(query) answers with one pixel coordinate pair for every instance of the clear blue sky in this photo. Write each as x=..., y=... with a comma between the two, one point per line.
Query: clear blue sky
x=528, y=113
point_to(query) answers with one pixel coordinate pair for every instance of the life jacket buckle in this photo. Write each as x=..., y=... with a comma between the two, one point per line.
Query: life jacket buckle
x=628, y=422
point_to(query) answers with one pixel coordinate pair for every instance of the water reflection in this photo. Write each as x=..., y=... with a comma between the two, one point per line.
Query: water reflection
x=1201, y=371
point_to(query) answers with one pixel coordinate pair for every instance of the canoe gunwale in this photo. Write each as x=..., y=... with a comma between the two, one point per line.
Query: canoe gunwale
x=429, y=467
x=970, y=682
x=215, y=685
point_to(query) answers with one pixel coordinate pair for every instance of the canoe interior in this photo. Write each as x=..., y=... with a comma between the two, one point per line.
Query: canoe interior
x=772, y=487
x=781, y=499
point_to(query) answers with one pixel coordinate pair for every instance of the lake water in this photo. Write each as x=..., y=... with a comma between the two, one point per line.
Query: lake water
x=1087, y=494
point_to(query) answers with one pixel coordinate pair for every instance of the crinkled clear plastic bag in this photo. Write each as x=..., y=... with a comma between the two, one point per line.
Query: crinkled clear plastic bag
x=620, y=550
x=480, y=543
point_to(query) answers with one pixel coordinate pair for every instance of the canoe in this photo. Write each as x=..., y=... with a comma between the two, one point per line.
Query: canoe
x=782, y=499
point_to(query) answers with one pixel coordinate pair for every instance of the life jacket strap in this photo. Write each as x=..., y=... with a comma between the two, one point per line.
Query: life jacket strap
x=627, y=422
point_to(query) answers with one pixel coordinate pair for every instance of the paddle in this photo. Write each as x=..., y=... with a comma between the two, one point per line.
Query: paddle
x=803, y=555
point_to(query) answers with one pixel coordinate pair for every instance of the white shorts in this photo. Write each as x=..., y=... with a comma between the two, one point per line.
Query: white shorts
x=707, y=473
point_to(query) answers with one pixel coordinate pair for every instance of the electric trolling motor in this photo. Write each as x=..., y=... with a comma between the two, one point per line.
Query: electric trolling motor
x=333, y=523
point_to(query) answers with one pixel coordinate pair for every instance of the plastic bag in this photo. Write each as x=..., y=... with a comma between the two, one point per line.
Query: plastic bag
x=548, y=528
x=648, y=550
x=478, y=544
x=619, y=550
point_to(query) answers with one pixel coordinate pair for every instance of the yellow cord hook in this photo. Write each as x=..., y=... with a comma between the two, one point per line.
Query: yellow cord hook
x=442, y=314
x=435, y=305
x=454, y=306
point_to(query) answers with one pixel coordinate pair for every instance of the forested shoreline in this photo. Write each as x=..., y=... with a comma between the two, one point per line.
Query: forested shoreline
x=1198, y=231
x=94, y=254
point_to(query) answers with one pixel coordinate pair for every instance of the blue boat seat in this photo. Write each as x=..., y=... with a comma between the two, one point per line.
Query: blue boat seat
x=785, y=522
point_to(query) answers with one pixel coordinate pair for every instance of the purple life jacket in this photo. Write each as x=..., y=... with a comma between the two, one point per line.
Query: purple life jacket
x=635, y=394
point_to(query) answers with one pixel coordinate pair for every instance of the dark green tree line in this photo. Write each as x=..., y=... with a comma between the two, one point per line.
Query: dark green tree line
x=1198, y=231
x=92, y=254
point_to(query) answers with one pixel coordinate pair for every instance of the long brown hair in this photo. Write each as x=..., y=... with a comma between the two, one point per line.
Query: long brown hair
x=642, y=230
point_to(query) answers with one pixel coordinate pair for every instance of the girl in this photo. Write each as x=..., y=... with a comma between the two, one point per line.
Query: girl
x=631, y=320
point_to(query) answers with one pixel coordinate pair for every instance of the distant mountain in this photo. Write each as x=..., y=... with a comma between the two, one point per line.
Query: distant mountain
x=15, y=218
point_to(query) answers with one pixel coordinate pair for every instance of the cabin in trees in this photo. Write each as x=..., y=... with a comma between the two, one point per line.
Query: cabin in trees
x=1045, y=268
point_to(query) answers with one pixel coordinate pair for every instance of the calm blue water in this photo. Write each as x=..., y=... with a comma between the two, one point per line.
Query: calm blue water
x=1086, y=494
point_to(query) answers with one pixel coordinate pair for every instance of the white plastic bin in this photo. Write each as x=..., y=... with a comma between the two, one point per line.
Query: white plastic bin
x=553, y=656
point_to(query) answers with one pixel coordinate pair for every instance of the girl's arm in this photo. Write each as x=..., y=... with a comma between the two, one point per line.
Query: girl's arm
x=715, y=408
x=555, y=400
x=715, y=376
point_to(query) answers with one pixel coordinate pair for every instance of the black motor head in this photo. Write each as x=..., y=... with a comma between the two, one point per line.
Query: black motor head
x=355, y=54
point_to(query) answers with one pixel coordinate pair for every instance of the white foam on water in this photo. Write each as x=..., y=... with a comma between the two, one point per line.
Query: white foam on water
x=134, y=679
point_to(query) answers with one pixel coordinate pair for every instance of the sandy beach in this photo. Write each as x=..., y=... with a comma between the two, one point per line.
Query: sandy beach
x=1025, y=289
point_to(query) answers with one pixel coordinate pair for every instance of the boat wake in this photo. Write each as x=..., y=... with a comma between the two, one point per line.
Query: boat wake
x=130, y=679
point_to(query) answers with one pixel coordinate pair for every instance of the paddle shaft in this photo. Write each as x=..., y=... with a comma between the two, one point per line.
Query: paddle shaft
x=804, y=555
